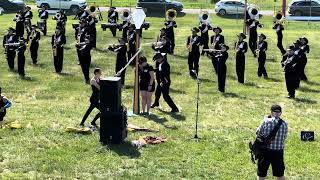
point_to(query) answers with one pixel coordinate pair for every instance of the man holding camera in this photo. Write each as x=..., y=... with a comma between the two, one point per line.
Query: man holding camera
x=275, y=148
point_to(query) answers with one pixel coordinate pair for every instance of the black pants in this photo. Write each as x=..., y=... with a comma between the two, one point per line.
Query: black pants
x=261, y=69
x=292, y=82
x=279, y=43
x=240, y=67
x=253, y=43
x=19, y=29
x=113, y=31
x=88, y=112
x=123, y=74
x=222, y=73
x=165, y=92
x=44, y=28
x=11, y=54
x=21, y=63
x=85, y=62
x=302, y=66
x=34, y=52
x=94, y=37
x=124, y=33
x=131, y=53
x=172, y=44
x=275, y=158
x=214, y=63
x=193, y=61
x=205, y=41
x=58, y=60
x=2, y=115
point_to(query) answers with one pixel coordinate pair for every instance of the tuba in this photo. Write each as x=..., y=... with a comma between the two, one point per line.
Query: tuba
x=204, y=17
x=171, y=14
x=126, y=15
x=253, y=13
x=279, y=19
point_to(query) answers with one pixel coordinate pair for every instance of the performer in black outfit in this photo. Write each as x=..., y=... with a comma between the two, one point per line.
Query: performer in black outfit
x=279, y=28
x=204, y=27
x=304, y=49
x=163, y=83
x=95, y=97
x=262, y=48
x=19, y=19
x=82, y=14
x=35, y=38
x=170, y=24
x=92, y=20
x=132, y=42
x=289, y=63
x=43, y=16
x=147, y=84
x=21, y=57
x=253, y=35
x=193, y=44
x=5, y=103
x=215, y=41
x=163, y=43
x=113, y=18
x=61, y=19
x=222, y=57
x=121, y=51
x=241, y=48
x=9, y=41
x=126, y=17
x=27, y=20
x=57, y=42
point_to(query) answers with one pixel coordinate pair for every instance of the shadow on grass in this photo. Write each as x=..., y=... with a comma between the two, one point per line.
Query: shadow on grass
x=305, y=89
x=273, y=79
x=27, y=78
x=176, y=73
x=176, y=116
x=124, y=149
x=206, y=80
x=101, y=50
x=180, y=56
x=304, y=100
x=155, y=118
x=250, y=84
x=128, y=87
x=66, y=74
x=312, y=83
x=39, y=65
x=232, y=95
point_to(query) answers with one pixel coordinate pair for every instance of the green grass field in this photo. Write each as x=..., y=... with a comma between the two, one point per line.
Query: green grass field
x=47, y=103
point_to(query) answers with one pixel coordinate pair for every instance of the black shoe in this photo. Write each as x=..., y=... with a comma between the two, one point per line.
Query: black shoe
x=154, y=105
x=175, y=110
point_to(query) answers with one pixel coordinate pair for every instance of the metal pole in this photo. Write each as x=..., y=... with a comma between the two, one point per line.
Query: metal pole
x=245, y=17
x=110, y=3
x=136, y=103
x=197, y=115
x=284, y=4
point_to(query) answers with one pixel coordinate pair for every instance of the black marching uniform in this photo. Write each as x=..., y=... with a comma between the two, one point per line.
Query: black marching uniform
x=21, y=58
x=289, y=63
x=113, y=18
x=215, y=40
x=222, y=57
x=92, y=20
x=57, y=43
x=124, y=27
x=194, y=53
x=170, y=34
x=35, y=38
x=241, y=49
x=132, y=44
x=83, y=49
x=279, y=28
x=43, y=15
x=61, y=21
x=28, y=15
x=253, y=35
x=10, y=50
x=262, y=47
x=304, y=49
x=204, y=29
x=19, y=19
x=121, y=61
x=145, y=78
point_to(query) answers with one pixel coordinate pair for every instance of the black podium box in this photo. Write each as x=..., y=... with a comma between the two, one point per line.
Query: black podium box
x=110, y=94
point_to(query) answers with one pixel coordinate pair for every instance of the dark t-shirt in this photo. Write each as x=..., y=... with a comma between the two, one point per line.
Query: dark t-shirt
x=145, y=77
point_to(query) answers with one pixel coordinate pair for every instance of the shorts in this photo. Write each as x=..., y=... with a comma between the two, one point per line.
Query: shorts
x=144, y=87
x=275, y=158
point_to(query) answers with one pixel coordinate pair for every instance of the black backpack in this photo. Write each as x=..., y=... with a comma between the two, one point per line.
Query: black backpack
x=259, y=146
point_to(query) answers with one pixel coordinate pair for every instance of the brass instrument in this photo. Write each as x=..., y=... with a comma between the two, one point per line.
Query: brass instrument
x=171, y=15
x=192, y=40
x=279, y=19
x=253, y=13
x=204, y=18
x=55, y=46
x=126, y=17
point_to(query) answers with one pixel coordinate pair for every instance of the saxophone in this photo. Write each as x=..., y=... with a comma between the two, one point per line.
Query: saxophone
x=190, y=44
x=55, y=46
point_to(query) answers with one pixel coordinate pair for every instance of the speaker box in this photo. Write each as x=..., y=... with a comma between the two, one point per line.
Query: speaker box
x=110, y=94
x=113, y=126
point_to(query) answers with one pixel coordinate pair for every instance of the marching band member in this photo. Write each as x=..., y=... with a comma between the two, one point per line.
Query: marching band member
x=121, y=61
x=163, y=43
x=289, y=64
x=132, y=42
x=193, y=44
x=262, y=48
x=9, y=41
x=82, y=14
x=61, y=20
x=5, y=103
x=204, y=27
x=253, y=24
x=21, y=57
x=27, y=20
x=34, y=45
x=215, y=41
x=92, y=20
x=19, y=19
x=43, y=16
x=113, y=18
x=304, y=49
x=241, y=48
x=278, y=26
x=170, y=24
x=57, y=42
x=126, y=17
x=222, y=57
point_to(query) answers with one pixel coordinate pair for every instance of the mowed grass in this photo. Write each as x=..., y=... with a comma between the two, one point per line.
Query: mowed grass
x=48, y=103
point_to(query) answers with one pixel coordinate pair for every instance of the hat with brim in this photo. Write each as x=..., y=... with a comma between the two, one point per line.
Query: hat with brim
x=224, y=46
x=195, y=29
x=11, y=29
x=305, y=39
x=291, y=48
x=263, y=36
x=122, y=40
x=220, y=30
x=242, y=35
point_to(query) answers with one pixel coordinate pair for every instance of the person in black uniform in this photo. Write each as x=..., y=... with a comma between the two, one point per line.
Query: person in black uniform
x=19, y=19
x=132, y=42
x=43, y=16
x=163, y=83
x=5, y=103
x=215, y=41
x=204, y=27
x=170, y=24
x=121, y=61
x=61, y=20
x=34, y=45
x=10, y=49
x=82, y=14
x=147, y=84
x=126, y=17
x=279, y=28
x=113, y=18
x=262, y=48
x=163, y=43
x=289, y=64
x=92, y=20
x=95, y=97
x=222, y=57
x=84, y=46
x=27, y=20
x=21, y=57
x=304, y=49
x=57, y=42
x=193, y=44
x=241, y=48
x=253, y=35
